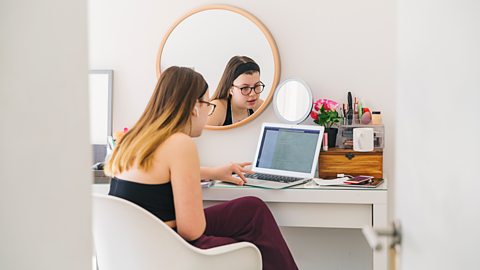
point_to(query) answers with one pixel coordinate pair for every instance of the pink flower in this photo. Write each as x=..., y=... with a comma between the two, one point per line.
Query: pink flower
x=328, y=105
x=329, y=113
x=332, y=104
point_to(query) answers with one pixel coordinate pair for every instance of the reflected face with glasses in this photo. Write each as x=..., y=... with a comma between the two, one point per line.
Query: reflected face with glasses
x=246, y=90
x=237, y=95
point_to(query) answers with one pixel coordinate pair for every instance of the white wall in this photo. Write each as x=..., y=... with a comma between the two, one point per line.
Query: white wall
x=333, y=45
x=44, y=147
x=438, y=133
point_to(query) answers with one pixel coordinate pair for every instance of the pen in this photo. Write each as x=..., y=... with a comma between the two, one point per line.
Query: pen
x=355, y=106
x=355, y=111
x=342, y=114
x=360, y=110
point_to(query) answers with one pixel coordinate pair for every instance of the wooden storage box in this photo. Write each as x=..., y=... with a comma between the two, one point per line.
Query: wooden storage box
x=347, y=161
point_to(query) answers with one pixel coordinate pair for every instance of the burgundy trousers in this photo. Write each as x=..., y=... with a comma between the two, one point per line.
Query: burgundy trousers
x=247, y=219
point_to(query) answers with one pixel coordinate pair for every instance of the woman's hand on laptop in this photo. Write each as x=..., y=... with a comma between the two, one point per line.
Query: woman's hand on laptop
x=225, y=172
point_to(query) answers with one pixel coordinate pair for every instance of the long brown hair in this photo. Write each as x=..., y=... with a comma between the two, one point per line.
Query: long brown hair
x=231, y=73
x=168, y=112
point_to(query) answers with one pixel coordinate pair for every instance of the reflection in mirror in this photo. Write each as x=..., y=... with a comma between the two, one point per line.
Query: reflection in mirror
x=238, y=92
x=100, y=103
x=293, y=101
x=206, y=38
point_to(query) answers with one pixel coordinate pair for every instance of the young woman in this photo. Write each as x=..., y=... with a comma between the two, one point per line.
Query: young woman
x=238, y=92
x=156, y=166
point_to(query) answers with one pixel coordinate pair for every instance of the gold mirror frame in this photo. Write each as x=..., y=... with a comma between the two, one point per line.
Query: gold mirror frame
x=266, y=33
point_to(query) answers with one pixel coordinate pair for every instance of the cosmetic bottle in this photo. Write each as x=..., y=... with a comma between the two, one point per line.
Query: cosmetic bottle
x=325, y=141
x=376, y=118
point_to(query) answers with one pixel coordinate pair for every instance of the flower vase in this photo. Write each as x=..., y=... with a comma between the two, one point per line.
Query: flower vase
x=332, y=136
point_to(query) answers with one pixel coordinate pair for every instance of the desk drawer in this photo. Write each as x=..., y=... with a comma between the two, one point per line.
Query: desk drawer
x=346, y=161
x=318, y=215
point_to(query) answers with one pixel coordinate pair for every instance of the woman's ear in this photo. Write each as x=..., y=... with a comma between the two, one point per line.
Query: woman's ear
x=195, y=111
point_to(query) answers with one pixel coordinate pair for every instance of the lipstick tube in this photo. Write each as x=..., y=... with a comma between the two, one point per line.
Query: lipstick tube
x=325, y=141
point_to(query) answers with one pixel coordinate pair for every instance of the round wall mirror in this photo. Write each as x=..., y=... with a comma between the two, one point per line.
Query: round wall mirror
x=293, y=101
x=208, y=37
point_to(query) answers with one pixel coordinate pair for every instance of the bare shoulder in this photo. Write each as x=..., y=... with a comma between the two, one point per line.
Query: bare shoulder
x=218, y=116
x=171, y=151
x=181, y=157
x=179, y=147
x=179, y=141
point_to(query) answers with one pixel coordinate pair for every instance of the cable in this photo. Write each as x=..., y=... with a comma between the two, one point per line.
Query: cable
x=343, y=175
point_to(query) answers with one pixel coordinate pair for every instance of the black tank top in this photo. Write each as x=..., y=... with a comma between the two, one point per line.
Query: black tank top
x=155, y=198
x=228, y=117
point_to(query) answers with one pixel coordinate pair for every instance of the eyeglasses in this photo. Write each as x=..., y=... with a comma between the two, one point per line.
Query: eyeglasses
x=246, y=90
x=211, y=107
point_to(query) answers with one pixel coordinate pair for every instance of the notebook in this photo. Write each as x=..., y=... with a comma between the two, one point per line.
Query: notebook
x=286, y=155
x=340, y=182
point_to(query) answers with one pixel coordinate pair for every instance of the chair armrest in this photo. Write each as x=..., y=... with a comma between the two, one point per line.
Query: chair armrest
x=230, y=248
x=243, y=255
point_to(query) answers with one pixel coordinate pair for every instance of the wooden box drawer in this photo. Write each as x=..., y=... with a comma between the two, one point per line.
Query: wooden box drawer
x=347, y=161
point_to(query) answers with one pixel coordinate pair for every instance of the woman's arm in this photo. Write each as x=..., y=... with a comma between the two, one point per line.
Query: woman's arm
x=184, y=168
x=224, y=173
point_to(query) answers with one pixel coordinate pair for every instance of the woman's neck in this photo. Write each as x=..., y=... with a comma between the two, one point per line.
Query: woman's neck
x=238, y=114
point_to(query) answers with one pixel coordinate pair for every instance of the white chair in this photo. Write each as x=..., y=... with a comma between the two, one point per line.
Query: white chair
x=127, y=236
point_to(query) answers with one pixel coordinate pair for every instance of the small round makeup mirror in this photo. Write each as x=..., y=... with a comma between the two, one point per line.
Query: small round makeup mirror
x=293, y=101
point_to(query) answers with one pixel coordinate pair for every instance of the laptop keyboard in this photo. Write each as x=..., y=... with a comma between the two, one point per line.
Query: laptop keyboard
x=274, y=178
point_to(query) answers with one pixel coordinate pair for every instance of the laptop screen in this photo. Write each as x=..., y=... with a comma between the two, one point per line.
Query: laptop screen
x=287, y=149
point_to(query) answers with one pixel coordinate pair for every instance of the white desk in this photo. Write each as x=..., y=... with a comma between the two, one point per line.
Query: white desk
x=327, y=207
x=313, y=207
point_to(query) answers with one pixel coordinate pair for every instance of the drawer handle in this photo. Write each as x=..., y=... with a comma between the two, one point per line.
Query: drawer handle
x=350, y=155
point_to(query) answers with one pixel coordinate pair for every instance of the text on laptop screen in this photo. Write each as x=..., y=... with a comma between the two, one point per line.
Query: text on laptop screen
x=287, y=149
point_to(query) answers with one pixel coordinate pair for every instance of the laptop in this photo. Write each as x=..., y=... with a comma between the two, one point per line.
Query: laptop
x=286, y=155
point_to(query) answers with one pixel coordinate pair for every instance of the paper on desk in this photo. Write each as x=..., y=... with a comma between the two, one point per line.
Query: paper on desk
x=206, y=184
x=330, y=182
